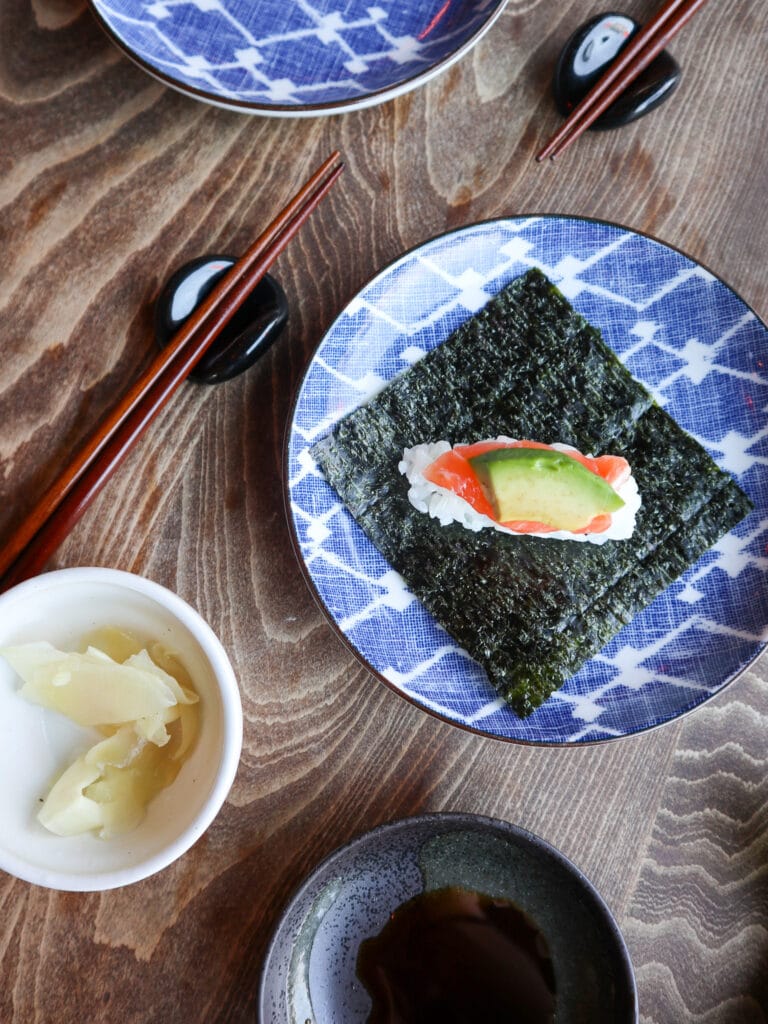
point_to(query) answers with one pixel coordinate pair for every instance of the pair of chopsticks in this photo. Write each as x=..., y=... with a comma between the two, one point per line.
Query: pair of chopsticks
x=634, y=58
x=26, y=551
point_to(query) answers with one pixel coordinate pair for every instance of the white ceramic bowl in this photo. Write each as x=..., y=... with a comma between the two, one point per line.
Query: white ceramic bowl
x=36, y=744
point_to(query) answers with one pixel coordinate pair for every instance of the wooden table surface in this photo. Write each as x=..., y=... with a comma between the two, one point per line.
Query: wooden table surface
x=109, y=181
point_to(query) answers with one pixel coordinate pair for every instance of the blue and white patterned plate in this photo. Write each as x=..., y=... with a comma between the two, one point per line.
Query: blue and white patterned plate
x=682, y=332
x=295, y=58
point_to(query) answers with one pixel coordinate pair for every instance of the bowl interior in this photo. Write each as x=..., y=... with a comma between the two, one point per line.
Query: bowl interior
x=290, y=54
x=37, y=744
x=310, y=969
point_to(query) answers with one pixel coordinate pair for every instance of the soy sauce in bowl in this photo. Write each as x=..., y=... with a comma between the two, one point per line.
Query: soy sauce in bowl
x=454, y=956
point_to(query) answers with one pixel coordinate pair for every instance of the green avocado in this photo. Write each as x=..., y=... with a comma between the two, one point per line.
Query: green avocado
x=543, y=486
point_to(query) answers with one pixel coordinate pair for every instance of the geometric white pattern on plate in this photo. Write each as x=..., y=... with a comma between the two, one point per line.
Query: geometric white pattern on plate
x=682, y=332
x=295, y=57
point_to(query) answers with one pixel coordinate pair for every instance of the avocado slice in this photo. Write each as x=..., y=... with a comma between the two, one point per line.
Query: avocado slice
x=544, y=486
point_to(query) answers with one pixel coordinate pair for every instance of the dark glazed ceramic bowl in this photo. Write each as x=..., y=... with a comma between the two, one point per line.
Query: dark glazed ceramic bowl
x=309, y=973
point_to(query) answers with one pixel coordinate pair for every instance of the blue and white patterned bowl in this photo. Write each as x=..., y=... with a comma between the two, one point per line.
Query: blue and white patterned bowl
x=309, y=972
x=295, y=58
x=682, y=332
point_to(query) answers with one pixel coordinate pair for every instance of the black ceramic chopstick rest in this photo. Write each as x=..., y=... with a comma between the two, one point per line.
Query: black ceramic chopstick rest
x=248, y=335
x=585, y=58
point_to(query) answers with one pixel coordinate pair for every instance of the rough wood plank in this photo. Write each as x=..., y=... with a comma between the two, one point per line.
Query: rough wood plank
x=697, y=922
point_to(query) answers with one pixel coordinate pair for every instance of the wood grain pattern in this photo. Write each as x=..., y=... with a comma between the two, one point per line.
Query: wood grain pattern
x=108, y=182
x=697, y=918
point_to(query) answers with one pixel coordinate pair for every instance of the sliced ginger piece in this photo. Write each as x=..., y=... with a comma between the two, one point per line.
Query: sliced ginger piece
x=147, y=711
x=89, y=688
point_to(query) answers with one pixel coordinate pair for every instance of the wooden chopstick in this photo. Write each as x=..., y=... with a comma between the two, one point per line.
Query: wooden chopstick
x=634, y=58
x=28, y=549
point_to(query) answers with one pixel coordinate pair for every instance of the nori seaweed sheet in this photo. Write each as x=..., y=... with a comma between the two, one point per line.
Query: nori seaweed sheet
x=529, y=610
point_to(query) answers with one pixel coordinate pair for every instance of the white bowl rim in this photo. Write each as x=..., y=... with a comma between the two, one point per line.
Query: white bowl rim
x=232, y=723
